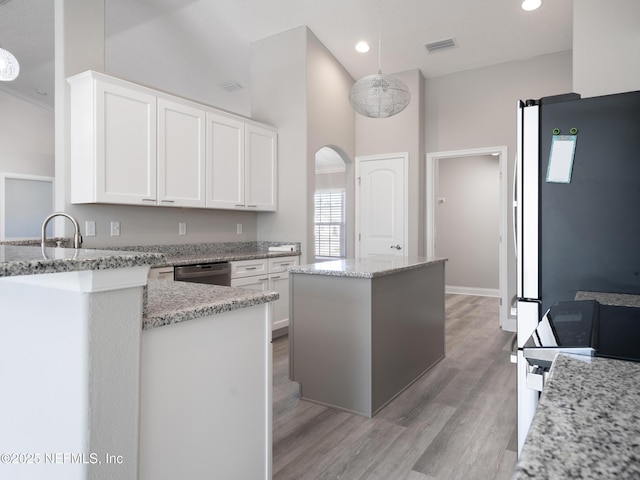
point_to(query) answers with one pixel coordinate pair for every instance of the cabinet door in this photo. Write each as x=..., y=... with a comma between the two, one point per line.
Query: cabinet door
x=253, y=283
x=126, y=145
x=281, y=264
x=181, y=155
x=280, y=308
x=249, y=268
x=225, y=162
x=261, y=168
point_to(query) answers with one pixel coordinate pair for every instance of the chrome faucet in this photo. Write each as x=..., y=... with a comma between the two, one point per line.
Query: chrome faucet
x=77, y=238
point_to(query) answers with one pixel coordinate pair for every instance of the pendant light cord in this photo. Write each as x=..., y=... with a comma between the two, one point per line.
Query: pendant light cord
x=380, y=36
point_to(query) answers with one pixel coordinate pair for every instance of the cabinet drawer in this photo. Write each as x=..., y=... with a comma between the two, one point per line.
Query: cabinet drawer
x=161, y=273
x=249, y=268
x=281, y=264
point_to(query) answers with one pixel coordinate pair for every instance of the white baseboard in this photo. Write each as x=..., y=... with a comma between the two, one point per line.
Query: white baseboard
x=481, y=292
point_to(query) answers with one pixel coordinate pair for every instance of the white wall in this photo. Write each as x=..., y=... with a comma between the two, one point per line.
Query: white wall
x=477, y=108
x=403, y=132
x=26, y=137
x=299, y=87
x=606, y=46
x=467, y=221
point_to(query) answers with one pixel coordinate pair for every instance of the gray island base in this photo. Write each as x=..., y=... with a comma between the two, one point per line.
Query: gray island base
x=363, y=330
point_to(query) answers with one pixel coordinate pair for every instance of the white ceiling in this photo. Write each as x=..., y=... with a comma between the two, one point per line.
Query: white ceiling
x=214, y=36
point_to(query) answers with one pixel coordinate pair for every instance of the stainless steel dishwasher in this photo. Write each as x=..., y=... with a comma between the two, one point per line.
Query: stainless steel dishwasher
x=218, y=273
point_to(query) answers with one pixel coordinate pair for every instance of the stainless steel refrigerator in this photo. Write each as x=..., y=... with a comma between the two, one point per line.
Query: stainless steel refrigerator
x=576, y=209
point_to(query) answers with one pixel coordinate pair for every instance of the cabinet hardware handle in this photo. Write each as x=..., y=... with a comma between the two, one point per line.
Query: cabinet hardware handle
x=275, y=276
x=252, y=206
x=263, y=279
x=285, y=264
x=397, y=247
x=251, y=268
x=239, y=204
x=148, y=199
x=168, y=201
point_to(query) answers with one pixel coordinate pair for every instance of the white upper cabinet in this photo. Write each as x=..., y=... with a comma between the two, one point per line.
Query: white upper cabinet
x=181, y=155
x=137, y=146
x=113, y=143
x=261, y=176
x=241, y=165
x=225, y=162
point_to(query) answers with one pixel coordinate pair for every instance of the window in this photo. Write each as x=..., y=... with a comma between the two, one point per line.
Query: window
x=330, y=223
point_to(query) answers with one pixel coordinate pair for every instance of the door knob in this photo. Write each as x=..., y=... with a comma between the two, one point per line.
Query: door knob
x=397, y=247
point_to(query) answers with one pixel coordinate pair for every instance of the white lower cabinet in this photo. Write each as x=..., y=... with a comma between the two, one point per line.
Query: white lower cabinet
x=269, y=275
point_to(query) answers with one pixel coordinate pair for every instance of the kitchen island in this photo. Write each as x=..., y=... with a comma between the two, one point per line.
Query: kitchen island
x=587, y=424
x=363, y=330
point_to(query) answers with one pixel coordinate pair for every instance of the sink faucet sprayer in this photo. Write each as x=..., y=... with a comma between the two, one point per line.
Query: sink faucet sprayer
x=77, y=238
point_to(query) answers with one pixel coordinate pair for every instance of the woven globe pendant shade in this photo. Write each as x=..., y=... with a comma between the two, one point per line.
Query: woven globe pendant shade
x=379, y=96
x=9, y=66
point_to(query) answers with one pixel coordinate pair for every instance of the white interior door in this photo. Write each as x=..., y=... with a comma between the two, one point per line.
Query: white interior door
x=381, y=205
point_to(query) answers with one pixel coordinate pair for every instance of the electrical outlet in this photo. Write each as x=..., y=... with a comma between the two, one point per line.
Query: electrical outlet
x=90, y=228
x=239, y=228
x=115, y=229
x=182, y=228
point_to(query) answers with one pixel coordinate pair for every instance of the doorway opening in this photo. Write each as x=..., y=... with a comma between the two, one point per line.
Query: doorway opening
x=433, y=199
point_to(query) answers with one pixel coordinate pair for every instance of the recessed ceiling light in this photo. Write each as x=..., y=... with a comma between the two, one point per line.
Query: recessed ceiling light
x=362, y=47
x=530, y=5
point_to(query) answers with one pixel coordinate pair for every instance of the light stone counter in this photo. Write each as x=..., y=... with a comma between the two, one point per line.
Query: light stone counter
x=19, y=260
x=174, y=302
x=587, y=424
x=366, y=267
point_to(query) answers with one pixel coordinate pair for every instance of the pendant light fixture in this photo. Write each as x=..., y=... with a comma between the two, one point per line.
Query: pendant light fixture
x=379, y=95
x=9, y=66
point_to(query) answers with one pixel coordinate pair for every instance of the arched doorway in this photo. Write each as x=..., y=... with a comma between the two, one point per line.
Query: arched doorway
x=333, y=205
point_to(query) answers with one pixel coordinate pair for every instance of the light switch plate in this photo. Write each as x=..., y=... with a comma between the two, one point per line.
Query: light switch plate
x=90, y=228
x=115, y=229
x=239, y=228
x=182, y=228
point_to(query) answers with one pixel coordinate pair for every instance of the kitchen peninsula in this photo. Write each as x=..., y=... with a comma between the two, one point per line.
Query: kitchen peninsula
x=69, y=361
x=107, y=374
x=362, y=330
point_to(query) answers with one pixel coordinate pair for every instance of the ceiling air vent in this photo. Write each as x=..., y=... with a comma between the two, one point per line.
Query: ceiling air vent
x=230, y=86
x=440, y=45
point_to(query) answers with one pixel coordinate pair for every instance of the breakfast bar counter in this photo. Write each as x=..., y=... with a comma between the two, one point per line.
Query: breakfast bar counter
x=363, y=330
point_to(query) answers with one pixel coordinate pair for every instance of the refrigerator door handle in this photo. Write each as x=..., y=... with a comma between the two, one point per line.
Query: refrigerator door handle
x=514, y=210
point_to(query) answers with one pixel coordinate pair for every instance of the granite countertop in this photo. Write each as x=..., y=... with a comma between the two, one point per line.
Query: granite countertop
x=587, y=424
x=190, y=254
x=366, y=267
x=173, y=302
x=614, y=299
x=20, y=260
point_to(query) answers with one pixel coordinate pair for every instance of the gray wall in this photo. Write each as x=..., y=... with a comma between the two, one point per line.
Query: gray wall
x=26, y=137
x=477, y=108
x=467, y=221
x=403, y=132
x=605, y=46
x=299, y=87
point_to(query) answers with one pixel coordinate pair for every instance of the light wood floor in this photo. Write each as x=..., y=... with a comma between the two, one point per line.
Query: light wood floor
x=458, y=421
